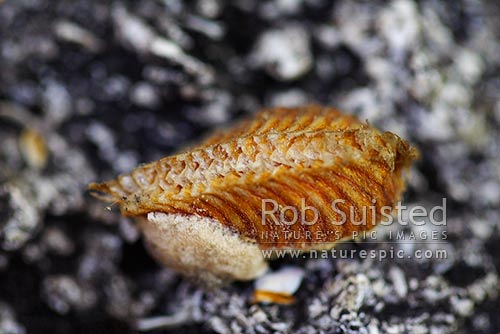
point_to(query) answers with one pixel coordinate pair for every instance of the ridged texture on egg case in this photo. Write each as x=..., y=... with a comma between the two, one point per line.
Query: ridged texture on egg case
x=284, y=154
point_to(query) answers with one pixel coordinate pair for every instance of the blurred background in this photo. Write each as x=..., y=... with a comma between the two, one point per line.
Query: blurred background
x=90, y=89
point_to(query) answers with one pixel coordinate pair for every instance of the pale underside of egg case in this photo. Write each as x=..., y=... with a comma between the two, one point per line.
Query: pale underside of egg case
x=201, y=211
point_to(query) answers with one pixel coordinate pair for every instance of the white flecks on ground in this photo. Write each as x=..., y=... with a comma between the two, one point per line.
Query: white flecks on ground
x=144, y=39
x=425, y=70
x=8, y=322
x=64, y=294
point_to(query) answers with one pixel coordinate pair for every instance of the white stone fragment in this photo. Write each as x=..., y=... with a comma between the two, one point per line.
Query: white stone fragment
x=399, y=25
x=284, y=53
x=463, y=307
x=285, y=281
x=72, y=32
x=145, y=95
x=398, y=279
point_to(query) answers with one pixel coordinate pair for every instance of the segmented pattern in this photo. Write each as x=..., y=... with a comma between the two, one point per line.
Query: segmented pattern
x=285, y=155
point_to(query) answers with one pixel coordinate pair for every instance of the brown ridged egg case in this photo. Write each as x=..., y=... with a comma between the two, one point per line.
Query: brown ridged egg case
x=227, y=187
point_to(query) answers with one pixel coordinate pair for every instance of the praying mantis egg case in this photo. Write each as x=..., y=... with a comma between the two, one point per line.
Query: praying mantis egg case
x=203, y=211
